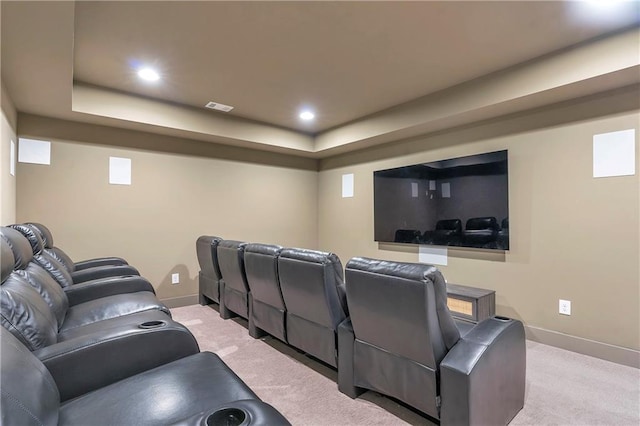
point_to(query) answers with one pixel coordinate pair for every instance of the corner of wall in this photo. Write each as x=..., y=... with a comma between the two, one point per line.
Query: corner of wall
x=8, y=152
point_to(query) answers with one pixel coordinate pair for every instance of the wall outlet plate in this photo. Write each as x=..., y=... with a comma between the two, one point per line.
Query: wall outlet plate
x=564, y=307
x=175, y=278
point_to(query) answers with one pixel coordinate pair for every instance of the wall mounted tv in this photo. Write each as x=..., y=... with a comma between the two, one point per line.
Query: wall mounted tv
x=459, y=202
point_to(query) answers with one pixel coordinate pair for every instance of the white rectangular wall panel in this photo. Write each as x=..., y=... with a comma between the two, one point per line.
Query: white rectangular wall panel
x=446, y=190
x=12, y=158
x=614, y=154
x=433, y=255
x=34, y=151
x=119, y=171
x=414, y=189
x=347, y=185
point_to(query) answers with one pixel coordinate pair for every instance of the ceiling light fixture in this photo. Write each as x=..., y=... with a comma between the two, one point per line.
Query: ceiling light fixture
x=307, y=115
x=148, y=74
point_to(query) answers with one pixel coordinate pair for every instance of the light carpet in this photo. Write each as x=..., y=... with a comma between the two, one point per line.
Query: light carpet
x=563, y=388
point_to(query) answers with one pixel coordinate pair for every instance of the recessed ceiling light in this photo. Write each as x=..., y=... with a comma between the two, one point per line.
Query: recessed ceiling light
x=148, y=74
x=307, y=115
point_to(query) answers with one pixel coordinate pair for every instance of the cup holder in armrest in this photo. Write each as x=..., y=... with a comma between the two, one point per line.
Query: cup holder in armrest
x=499, y=318
x=152, y=324
x=227, y=417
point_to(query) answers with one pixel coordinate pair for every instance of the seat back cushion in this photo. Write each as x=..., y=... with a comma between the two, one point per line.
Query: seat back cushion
x=29, y=394
x=7, y=260
x=231, y=262
x=19, y=246
x=401, y=308
x=49, y=248
x=261, y=266
x=206, y=249
x=50, y=263
x=312, y=286
x=45, y=233
x=26, y=315
x=478, y=223
x=48, y=289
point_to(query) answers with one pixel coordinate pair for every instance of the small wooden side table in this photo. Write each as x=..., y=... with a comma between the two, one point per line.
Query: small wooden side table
x=470, y=303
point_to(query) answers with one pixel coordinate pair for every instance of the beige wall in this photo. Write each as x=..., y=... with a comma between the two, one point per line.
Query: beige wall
x=8, y=123
x=572, y=236
x=173, y=199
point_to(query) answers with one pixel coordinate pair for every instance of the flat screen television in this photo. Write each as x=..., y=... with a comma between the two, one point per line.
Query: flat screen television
x=458, y=202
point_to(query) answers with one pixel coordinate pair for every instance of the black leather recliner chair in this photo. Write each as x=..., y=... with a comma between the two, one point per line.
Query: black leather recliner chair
x=503, y=234
x=480, y=231
x=401, y=341
x=407, y=236
x=234, y=290
x=88, y=270
x=209, y=276
x=30, y=249
x=313, y=291
x=447, y=232
x=63, y=275
x=72, y=266
x=89, y=345
x=267, y=310
x=195, y=390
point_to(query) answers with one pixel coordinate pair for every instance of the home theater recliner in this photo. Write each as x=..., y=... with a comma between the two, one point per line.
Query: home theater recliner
x=386, y=327
x=60, y=254
x=402, y=341
x=41, y=239
x=115, y=359
x=209, y=275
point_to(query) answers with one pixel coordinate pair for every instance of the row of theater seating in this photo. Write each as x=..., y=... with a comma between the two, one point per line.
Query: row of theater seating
x=82, y=344
x=384, y=325
x=479, y=232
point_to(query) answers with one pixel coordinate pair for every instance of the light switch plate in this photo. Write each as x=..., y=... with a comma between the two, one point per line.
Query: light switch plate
x=175, y=278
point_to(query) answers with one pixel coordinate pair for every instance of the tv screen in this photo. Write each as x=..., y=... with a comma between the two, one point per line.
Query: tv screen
x=458, y=202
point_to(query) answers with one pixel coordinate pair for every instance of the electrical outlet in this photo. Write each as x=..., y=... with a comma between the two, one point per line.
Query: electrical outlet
x=564, y=307
x=175, y=278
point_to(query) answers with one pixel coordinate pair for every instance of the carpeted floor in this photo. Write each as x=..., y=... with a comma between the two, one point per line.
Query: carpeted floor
x=563, y=388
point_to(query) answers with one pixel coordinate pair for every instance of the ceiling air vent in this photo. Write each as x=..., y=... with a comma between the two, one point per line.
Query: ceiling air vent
x=219, y=107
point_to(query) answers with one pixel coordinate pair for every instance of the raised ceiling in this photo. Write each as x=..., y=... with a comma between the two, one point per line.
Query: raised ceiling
x=352, y=62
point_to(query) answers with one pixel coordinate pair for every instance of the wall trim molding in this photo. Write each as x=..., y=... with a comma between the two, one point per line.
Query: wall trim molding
x=613, y=353
x=178, y=302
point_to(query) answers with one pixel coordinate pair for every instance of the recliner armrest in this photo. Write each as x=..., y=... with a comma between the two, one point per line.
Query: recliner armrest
x=482, y=378
x=258, y=413
x=102, y=261
x=103, y=272
x=95, y=289
x=86, y=363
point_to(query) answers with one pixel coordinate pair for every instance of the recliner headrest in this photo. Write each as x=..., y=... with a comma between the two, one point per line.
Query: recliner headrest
x=476, y=223
x=19, y=245
x=33, y=236
x=408, y=271
x=45, y=233
x=231, y=244
x=265, y=249
x=449, y=224
x=315, y=256
x=7, y=261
